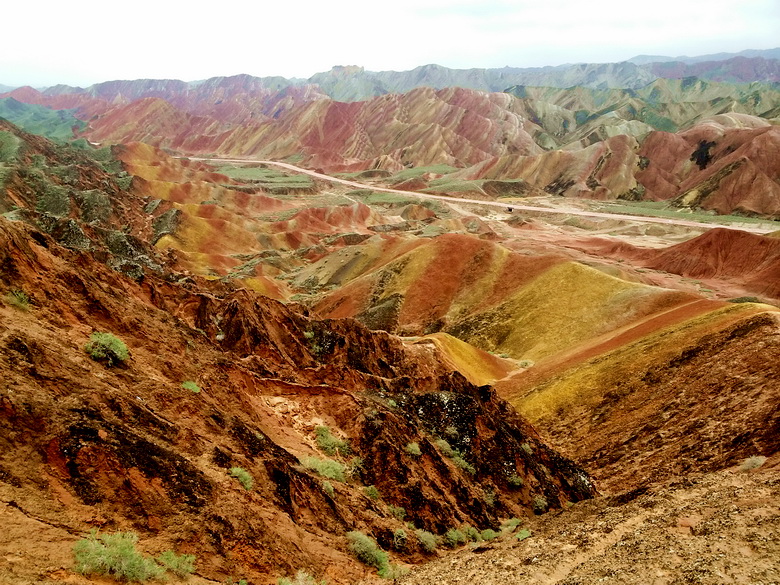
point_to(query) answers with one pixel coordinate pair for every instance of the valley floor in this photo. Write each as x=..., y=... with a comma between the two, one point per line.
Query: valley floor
x=714, y=528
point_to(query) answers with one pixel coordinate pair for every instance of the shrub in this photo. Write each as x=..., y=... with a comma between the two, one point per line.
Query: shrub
x=106, y=347
x=397, y=511
x=301, y=578
x=18, y=299
x=191, y=386
x=527, y=448
x=325, y=467
x=523, y=534
x=540, y=504
x=394, y=572
x=366, y=551
x=354, y=466
x=413, y=449
x=181, y=565
x=459, y=461
x=329, y=444
x=242, y=475
x=488, y=534
x=444, y=447
x=372, y=492
x=471, y=533
x=455, y=455
x=753, y=462
x=515, y=481
x=399, y=539
x=454, y=537
x=511, y=524
x=745, y=300
x=327, y=487
x=427, y=540
x=490, y=497
x=115, y=555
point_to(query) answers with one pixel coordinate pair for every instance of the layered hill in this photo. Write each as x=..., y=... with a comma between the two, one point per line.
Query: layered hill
x=604, y=144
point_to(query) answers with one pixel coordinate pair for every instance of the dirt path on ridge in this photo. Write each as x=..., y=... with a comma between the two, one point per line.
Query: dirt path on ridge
x=505, y=205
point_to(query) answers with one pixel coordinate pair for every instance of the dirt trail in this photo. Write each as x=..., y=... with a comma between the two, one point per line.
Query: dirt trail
x=567, y=211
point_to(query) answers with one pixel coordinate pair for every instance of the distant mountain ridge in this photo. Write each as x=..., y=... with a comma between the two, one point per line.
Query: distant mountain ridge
x=354, y=83
x=647, y=59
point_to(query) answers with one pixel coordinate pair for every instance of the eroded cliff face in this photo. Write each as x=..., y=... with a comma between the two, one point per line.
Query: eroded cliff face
x=127, y=447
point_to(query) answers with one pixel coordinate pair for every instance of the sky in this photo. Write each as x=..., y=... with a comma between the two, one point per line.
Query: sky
x=81, y=42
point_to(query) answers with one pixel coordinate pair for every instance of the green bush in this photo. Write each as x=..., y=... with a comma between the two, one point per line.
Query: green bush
x=301, y=578
x=470, y=533
x=243, y=476
x=463, y=464
x=511, y=524
x=523, y=534
x=106, y=347
x=397, y=511
x=366, y=551
x=18, y=299
x=191, y=386
x=354, y=466
x=372, y=492
x=540, y=505
x=413, y=449
x=455, y=455
x=327, y=487
x=114, y=555
x=488, y=534
x=454, y=537
x=325, y=467
x=515, y=481
x=329, y=444
x=753, y=462
x=444, y=447
x=427, y=540
x=181, y=565
x=399, y=539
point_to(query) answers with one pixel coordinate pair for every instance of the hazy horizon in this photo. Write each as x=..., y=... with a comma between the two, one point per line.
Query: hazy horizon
x=84, y=42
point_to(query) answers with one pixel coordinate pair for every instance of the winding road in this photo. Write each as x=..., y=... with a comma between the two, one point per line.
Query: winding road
x=640, y=218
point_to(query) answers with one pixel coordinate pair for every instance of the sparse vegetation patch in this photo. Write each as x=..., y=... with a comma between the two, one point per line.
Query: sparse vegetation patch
x=106, y=347
x=325, y=467
x=191, y=386
x=243, y=477
x=18, y=299
x=114, y=555
x=368, y=552
x=329, y=444
x=301, y=578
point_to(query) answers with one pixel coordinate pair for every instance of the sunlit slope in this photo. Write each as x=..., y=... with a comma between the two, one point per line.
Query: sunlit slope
x=478, y=366
x=565, y=306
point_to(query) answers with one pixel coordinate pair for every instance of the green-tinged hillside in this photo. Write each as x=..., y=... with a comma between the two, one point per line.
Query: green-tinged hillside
x=55, y=124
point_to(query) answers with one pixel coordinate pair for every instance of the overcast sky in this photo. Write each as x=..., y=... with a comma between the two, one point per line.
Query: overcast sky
x=80, y=42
